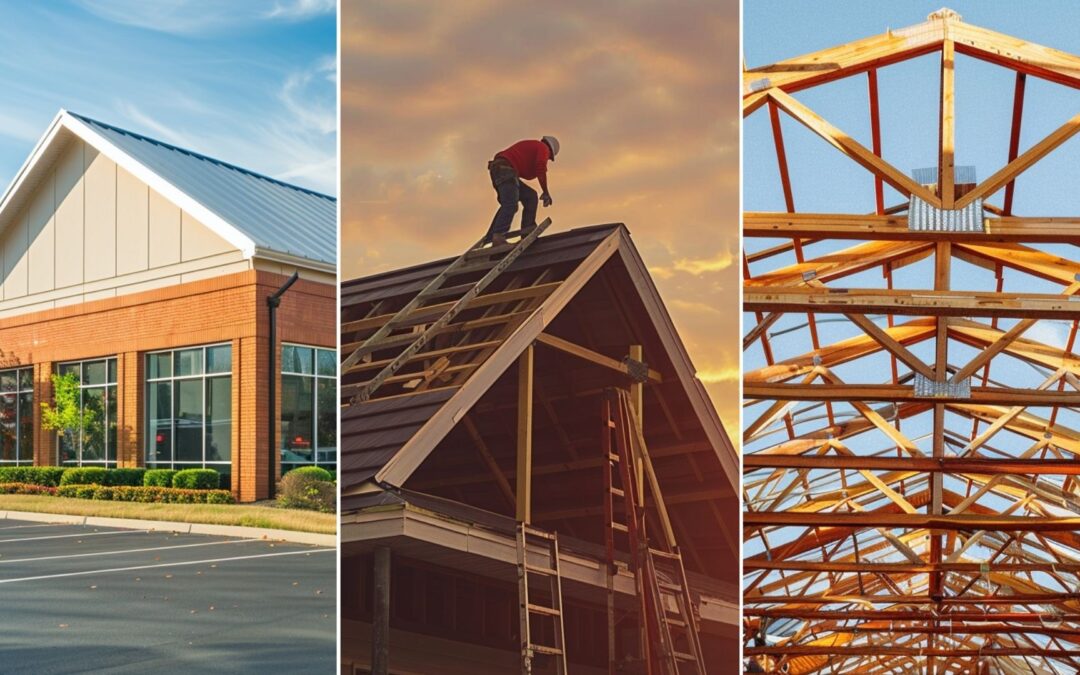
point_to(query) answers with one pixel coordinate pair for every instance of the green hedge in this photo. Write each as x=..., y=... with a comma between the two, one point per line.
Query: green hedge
x=316, y=472
x=85, y=475
x=33, y=475
x=125, y=476
x=145, y=494
x=299, y=490
x=158, y=477
x=197, y=479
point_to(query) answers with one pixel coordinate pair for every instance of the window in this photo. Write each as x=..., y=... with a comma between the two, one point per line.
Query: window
x=189, y=409
x=17, y=416
x=308, y=407
x=95, y=443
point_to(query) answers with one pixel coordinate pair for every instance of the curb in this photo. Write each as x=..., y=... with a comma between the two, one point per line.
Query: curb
x=239, y=531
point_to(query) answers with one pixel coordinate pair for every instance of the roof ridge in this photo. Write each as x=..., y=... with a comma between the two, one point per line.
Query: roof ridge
x=199, y=155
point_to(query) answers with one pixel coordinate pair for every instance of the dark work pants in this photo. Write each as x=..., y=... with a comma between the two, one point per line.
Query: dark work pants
x=511, y=190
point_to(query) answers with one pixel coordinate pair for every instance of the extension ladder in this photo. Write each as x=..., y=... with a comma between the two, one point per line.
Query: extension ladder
x=529, y=605
x=465, y=293
x=671, y=642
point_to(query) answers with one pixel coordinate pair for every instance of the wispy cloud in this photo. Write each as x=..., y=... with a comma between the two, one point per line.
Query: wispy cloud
x=718, y=375
x=202, y=17
x=153, y=127
x=301, y=9
x=310, y=96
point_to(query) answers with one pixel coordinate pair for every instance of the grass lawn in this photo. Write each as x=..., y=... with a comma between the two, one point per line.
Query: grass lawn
x=248, y=515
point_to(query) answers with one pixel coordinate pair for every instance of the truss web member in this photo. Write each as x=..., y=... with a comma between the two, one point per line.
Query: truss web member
x=522, y=161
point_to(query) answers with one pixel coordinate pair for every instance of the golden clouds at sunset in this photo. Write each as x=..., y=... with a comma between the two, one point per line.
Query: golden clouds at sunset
x=642, y=98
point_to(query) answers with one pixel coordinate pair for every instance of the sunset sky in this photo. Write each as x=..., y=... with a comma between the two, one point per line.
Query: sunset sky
x=643, y=100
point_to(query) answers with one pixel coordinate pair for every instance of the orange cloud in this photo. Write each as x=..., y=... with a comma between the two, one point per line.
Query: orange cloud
x=642, y=98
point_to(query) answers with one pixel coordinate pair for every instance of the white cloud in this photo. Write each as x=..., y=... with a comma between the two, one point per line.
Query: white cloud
x=302, y=9
x=310, y=96
x=200, y=17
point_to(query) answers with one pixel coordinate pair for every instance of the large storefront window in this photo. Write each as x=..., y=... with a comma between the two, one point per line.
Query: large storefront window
x=189, y=409
x=95, y=443
x=308, y=407
x=17, y=416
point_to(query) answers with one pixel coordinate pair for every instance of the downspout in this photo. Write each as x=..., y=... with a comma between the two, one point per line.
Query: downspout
x=272, y=303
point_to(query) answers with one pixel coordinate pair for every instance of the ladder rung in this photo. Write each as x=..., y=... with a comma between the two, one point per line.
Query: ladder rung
x=620, y=527
x=683, y=656
x=678, y=623
x=458, y=291
x=618, y=492
x=540, y=609
x=544, y=649
x=664, y=554
x=613, y=457
x=674, y=588
x=540, y=570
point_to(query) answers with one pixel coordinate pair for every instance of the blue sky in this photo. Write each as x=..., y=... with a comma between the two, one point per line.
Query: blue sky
x=252, y=83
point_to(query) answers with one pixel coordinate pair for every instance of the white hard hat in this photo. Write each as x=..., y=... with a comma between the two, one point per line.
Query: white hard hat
x=554, y=143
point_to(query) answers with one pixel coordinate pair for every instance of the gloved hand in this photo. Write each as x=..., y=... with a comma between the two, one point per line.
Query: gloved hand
x=546, y=198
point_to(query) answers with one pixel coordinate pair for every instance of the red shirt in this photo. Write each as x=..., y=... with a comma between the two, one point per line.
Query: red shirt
x=529, y=159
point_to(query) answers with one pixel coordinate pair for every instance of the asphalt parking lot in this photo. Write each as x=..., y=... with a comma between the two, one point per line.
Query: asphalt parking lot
x=76, y=599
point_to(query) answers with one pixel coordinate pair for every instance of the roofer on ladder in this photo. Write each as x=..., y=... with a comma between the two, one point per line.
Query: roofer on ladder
x=522, y=161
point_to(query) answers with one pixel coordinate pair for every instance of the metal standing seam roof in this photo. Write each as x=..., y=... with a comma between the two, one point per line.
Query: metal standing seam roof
x=277, y=216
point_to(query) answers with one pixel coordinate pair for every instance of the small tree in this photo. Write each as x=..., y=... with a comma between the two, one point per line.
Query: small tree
x=66, y=416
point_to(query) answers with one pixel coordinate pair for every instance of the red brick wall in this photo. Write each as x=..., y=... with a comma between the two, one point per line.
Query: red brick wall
x=230, y=308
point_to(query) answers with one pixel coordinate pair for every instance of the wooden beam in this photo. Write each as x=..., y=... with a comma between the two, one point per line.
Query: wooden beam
x=1014, y=138
x=842, y=652
x=1022, y=163
x=876, y=567
x=910, y=302
x=589, y=355
x=947, y=121
x=954, y=465
x=909, y=521
x=524, y=436
x=852, y=148
x=822, y=226
x=892, y=346
x=901, y=393
x=875, y=136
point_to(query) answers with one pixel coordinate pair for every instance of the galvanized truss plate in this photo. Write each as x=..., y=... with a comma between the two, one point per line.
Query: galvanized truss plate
x=922, y=217
x=927, y=388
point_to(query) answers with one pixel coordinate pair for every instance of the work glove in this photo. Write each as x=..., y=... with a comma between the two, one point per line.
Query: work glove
x=546, y=198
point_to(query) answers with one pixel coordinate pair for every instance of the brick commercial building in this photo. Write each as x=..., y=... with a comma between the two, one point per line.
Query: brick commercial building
x=145, y=269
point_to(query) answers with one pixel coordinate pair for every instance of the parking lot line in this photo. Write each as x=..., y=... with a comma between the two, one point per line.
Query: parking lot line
x=173, y=564
x=70, y=536
x=19, y=527
x=130, y=550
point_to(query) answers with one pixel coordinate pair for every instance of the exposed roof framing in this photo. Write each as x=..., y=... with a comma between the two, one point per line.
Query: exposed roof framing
x=910, y=490
x=445, y=424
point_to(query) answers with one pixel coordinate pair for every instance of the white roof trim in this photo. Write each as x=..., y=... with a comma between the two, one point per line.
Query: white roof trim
x=65, y=120
x=166, y=189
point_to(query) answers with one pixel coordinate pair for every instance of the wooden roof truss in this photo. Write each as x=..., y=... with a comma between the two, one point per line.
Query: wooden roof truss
x=910, y=475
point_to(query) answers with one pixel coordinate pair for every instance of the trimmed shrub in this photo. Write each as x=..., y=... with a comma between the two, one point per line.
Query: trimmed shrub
x=158, y=477
x=85, y=475
x=316, y=472
x=299, y=490
x=197, y=479
x=145, y=494
x=125, y=477
x=33, y=475
x=26, y=489
x=219, y=497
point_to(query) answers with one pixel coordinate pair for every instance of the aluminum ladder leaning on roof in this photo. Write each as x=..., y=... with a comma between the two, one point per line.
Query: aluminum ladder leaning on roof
x=373, y=343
